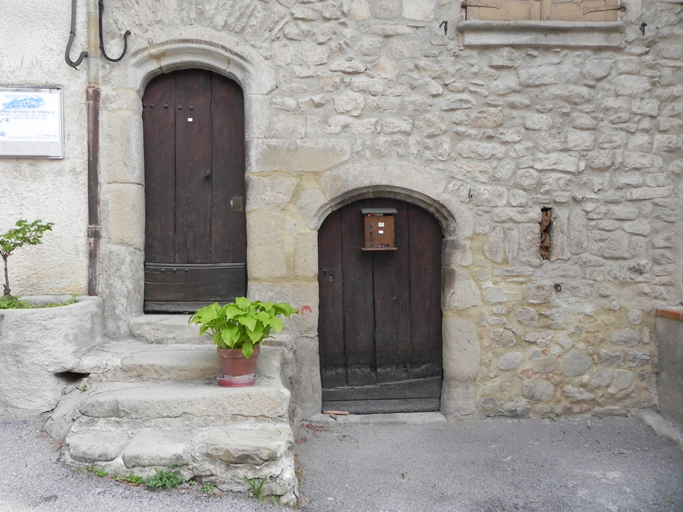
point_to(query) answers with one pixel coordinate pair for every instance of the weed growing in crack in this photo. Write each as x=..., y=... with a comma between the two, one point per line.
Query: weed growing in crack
x=165, y=479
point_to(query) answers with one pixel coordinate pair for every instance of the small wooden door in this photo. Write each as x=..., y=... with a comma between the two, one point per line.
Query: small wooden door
x=195, y=229
x=380, y=313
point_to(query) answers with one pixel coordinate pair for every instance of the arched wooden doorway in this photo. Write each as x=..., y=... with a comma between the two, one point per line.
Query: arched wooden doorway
x=380, y=313
x=195, y=228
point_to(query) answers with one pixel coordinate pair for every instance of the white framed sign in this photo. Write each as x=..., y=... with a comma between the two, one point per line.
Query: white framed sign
x=31, y=122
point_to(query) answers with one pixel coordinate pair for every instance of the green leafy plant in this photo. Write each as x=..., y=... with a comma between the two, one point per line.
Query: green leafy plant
x=23, y=233
x=165, y=479
x=207, y=488
x=12, y=302
x=131, y=479
x=256, y=487
x=242, y=324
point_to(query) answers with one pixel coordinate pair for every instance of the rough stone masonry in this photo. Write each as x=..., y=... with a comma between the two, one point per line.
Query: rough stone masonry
x=375, y=95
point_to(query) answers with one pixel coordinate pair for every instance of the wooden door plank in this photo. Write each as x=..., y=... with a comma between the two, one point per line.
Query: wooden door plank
x=358, y=302
x=385, y=406
x=158, y=119
x=228, y=228
x=391, y=281
x=193, y=166
x=195, y=282
x=425, y=294
x=331, y=306
x=416, y=388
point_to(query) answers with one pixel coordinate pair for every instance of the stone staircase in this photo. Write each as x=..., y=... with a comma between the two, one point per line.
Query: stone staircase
x=154, y=402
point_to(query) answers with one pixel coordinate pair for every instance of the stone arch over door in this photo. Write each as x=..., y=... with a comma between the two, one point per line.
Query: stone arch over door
x=461, y=349
x=122, y=155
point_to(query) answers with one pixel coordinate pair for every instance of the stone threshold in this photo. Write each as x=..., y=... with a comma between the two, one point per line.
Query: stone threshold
x=672, y=313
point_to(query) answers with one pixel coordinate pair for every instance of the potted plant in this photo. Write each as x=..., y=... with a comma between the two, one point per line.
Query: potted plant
x=237, y=330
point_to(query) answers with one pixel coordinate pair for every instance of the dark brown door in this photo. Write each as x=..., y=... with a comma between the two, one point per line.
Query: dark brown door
x=380, y=313
x=195, y=229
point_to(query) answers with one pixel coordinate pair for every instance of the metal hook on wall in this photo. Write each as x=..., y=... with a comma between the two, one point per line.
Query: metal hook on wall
x=125, y=38
x=72, y=36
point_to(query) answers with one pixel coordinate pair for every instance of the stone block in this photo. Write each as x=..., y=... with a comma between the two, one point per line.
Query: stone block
x=307, y=155
x=494, y=248
x=538, y=122
x=298, y=294
x=419, y=10
x=510, y=361
x=631, y=85
x=574, y=94
x=627, y=337
x=623, y=379
x=266, y=255
x=502, y=337
x=480, y=150
x=459, y=290
x=155, y=447
x=351, y=103
x=601, y=378
x=542, y=75
x=577, y=394
x=461, y=349
x=540, y=390
x=306, y=255
x=487, y=118
x=540, y=338
x=545, y=365
x=96, y=445
x=576, y=363
x=557, y=162
x=125, y=207
x=273, y=191
x=122, y=148
x=610, y=244
x=254, y=446
x=526, y=316
x=517, y=408
x=539, y=293
x=638, y=358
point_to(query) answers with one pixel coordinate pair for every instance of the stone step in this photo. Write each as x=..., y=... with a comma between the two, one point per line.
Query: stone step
x=126, y=361
x=224, y=456
x=148, y=400
x=164, y=329
x=144, y=406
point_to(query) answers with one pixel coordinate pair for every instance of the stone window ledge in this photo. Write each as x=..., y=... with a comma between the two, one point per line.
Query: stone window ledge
x=674, y=314
x=541, y=33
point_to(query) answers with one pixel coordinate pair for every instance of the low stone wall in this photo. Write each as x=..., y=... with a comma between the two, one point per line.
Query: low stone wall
x=38, y=344
x=670, y=343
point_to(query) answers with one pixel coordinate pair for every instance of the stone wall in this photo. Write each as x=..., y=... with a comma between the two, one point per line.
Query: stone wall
x=33, y=42
x=353, y=98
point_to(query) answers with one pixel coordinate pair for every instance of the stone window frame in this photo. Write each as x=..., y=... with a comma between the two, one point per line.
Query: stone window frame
x=483, y=33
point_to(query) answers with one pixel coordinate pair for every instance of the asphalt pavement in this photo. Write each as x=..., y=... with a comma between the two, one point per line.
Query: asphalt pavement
x=393, y=463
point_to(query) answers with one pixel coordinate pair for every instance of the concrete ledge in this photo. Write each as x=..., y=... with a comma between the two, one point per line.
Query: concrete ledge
x=541, y=33
x=661, y=426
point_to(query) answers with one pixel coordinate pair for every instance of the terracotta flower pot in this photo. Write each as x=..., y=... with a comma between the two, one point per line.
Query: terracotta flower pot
x=238, y=371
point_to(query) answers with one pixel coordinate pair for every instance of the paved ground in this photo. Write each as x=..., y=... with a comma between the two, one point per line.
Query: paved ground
x=613, y=464
x=610, y=464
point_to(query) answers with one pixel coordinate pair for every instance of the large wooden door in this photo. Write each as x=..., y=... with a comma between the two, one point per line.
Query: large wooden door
x=380, y=313
x=195, y=229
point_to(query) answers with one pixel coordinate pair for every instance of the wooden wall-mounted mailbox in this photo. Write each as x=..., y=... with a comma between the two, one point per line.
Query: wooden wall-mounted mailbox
x=379, y=229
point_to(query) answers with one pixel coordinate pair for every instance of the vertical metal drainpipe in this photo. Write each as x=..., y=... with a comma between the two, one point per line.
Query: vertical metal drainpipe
x=92, y=97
